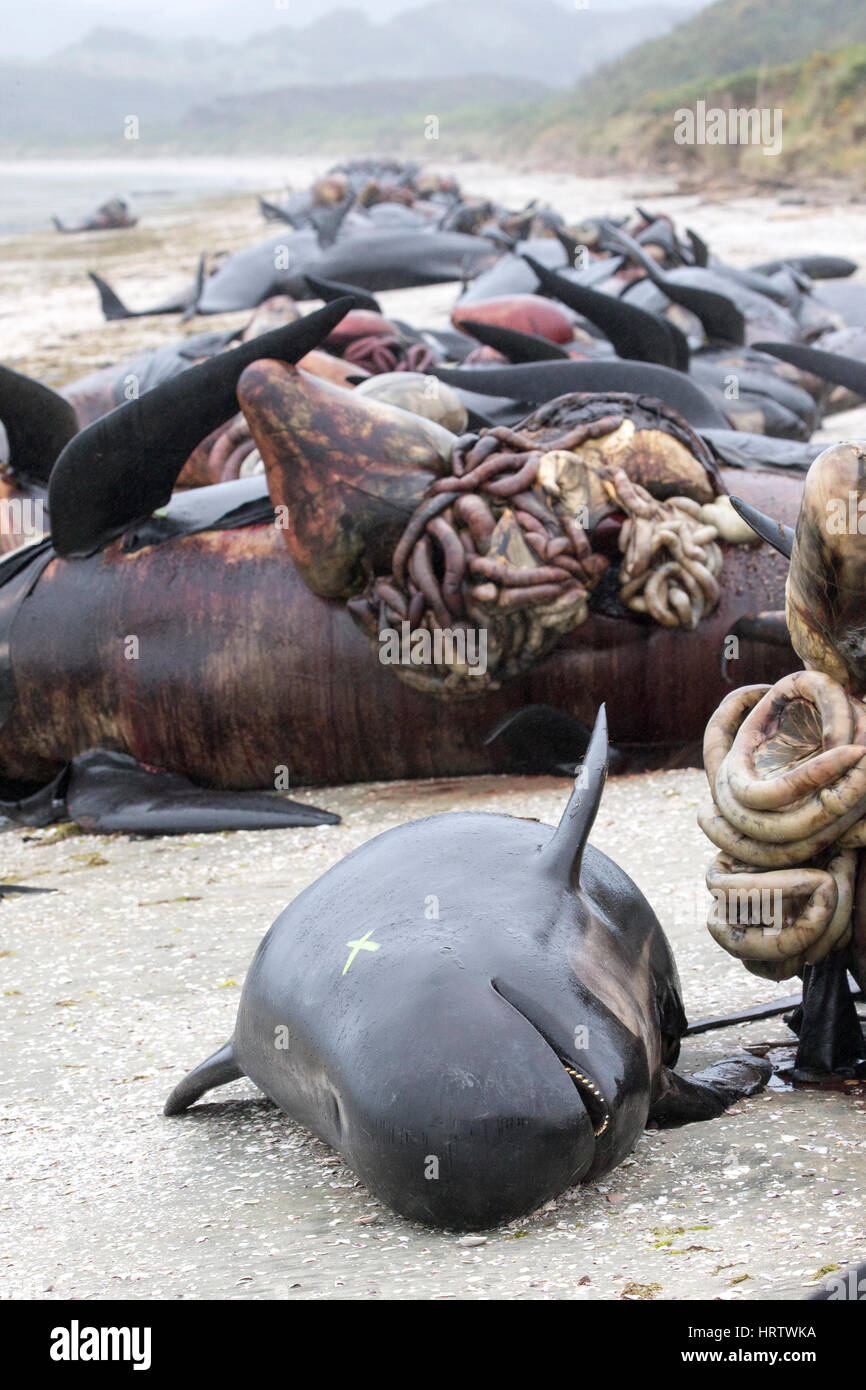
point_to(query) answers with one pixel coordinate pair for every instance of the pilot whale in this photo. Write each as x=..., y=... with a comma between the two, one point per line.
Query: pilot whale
x=478, y=1011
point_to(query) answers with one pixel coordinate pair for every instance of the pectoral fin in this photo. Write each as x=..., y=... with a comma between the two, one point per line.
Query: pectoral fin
x=708, y=1093
x=218, y=1070
x=104, y=792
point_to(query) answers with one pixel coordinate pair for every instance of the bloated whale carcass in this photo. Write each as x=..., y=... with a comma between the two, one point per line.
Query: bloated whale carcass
x=210, y=634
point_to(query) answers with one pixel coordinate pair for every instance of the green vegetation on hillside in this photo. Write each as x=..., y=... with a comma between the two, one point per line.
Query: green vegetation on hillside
x=823, y=123
x=731, y=36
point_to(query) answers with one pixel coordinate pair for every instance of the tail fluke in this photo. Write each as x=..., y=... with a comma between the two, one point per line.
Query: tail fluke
x=112, y=305
x=192, y=308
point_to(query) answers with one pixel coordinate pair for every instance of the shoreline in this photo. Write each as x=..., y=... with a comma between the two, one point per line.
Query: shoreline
x=51, y=325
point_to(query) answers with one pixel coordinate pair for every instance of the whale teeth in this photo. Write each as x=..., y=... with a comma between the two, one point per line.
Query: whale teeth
x=593, y=1089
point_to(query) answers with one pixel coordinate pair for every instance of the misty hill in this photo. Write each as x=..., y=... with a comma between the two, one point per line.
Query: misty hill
x=78, y=98
x=542, y=41
x=38, y=111
x=388, y=117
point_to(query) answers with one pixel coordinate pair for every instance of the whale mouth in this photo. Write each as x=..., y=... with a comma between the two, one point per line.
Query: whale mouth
x=593, y=1101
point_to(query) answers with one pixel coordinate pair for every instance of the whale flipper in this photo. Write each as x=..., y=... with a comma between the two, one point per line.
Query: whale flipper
x=11, y=890
x=775, y=533
x=218, y=1070
x=710, y=1092
x=826, y=1022
x=106, y=792
x=110, y=792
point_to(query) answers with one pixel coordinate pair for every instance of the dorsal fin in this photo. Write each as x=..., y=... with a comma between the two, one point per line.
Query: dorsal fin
x=634, y=333
x=38, y=422
x=660, y=233
x=200, y=276
x=830, y=366
x=563, y=854
x=514, y=345
x=721, y=318
x=124, y=466
x=328, y=220
x=272, y=212
x=537, y=382
x=112, y=305
x=569, y=243
x=682, y=351
x=329, y=290
x=700, y=250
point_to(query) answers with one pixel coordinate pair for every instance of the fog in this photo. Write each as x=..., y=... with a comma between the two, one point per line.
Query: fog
x=39, y=30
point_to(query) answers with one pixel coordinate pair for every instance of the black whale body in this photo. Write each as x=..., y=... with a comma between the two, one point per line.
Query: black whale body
x=384, y=259
x=475, y=1010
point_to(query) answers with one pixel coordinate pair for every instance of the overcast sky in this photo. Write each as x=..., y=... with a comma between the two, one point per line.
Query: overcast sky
x=34, y=30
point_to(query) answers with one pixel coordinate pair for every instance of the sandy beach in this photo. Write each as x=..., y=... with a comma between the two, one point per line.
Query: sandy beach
x=131, y=974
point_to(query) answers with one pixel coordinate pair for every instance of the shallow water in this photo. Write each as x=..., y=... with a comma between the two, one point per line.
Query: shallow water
x=36, y=189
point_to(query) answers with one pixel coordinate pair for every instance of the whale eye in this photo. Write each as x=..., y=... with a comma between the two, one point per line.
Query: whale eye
x=593, y=1100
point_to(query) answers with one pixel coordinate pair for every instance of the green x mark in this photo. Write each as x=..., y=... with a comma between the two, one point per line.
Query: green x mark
x=362, y=945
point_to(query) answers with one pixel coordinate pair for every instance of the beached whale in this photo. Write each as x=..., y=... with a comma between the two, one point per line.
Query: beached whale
x=476, y=1011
